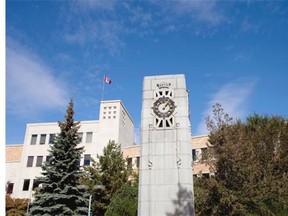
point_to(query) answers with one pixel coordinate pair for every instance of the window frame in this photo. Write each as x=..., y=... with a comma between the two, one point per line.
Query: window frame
x=129, y=161
x=42, y=140
x=30, y=161
x=35, y=184
x=26, y=185
x=51, y=138
x=88, y=138
x=87, y=161
x=39, y=161
x=48, y=157
x=33, y=140
x=9, y=188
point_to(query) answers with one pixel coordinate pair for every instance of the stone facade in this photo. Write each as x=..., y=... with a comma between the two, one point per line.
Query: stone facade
x=165, y=180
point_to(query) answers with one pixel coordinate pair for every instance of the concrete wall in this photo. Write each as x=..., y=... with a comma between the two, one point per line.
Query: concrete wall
x=166, y=180
x=107, y=128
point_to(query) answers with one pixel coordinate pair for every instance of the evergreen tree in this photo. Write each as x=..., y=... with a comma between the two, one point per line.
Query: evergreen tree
x=105, y=177
x=60, y=192
x=251, y=166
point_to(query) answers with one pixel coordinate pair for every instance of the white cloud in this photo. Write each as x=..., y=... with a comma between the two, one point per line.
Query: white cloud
x=30, y=85
x=93, y=5
x=233, y=98
x=203, y=11
x=102, y=33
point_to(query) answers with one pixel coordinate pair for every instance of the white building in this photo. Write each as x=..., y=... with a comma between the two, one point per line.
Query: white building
x=114, y=123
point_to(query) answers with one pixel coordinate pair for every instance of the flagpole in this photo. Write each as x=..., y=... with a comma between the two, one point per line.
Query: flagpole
x=102, y=87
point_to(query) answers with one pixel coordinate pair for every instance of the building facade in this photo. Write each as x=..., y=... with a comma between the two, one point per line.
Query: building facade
x=23, y=160
x=114, y=123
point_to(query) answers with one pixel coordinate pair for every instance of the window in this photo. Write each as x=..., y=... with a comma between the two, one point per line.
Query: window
x=89, y=137
x=10, y=188
x=33, y=139
x=39, y=161
x=204, y=152
x=26, y=184
x=48, y=157
x=42, y=139
x=30, y=161
x=205, y=175
x=129, y=161
x=137, y=162
x=87, y=159
x=51, y=138
x=114, y=107
x=35, y=184
x=194, y=155
x=80, y=135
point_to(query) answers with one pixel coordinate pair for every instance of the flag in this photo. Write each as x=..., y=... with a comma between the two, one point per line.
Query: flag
x=107, y=80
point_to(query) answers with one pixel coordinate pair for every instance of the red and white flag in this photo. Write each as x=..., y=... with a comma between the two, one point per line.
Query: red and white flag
x=107, y=80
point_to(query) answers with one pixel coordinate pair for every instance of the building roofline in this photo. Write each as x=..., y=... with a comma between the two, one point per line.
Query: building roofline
x=202, y=135
x=132, y=146
x=13, y=145
x=53, y=123
x=119, y=101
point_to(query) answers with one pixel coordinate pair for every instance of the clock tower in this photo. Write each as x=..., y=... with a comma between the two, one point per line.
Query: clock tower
x=165, y=178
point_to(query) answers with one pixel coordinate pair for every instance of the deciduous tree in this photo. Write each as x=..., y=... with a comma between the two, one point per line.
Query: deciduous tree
x=16, y=207
x=124, y=202
x=251, y=166
x=105, y=177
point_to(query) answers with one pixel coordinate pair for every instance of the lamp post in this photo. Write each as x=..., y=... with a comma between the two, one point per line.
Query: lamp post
x=96, y=187
x=89, y=208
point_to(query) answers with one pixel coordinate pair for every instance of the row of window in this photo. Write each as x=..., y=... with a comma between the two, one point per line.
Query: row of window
x=104, y=113
x=110, y=107
x=109, y=117
x=51, y=138
x=87, y=158
x=26, y=184
x=39, y=160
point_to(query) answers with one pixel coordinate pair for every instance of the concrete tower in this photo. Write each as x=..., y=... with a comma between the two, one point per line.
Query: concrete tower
x=166, y=179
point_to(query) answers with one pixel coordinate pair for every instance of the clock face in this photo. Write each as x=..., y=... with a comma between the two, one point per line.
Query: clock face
x=163, y=107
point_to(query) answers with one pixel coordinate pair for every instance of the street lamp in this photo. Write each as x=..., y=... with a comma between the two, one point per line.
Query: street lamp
x=96, y=187
x=89, y=209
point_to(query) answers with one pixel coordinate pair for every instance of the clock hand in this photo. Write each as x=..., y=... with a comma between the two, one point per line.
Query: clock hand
x=166, y=104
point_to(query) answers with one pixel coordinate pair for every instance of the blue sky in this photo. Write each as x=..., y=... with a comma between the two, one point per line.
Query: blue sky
x=231, y=52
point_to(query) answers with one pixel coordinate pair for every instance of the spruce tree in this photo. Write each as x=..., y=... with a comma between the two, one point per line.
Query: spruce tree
x=60, y=192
